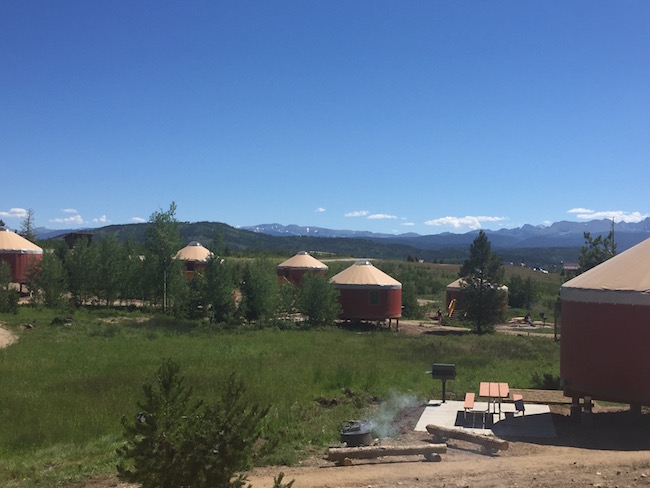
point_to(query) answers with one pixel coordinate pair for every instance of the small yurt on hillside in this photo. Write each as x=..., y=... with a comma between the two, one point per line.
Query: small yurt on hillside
x=19, y=253
x=606, y=330
x=453, y=292
x=293, y=269
x=195, y=257
x=367, y=293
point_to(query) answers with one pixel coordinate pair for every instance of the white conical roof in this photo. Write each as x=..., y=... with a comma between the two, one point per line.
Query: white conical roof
x=12, y=243
x=302, y=260
x=364, y=274
x=194, y=251
x=456, y=285
x=623, y=279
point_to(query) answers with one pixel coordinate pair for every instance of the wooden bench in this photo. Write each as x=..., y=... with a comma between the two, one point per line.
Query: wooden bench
x=469, y=408
x=469, y=401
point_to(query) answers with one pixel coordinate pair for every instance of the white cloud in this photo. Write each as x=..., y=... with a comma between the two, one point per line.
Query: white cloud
x=320, y=210
x=73, y=219
x=69, y=210
x=381, y=216
x=579, y=210
x=138, y=220
x=14, y=213
x=409, y=224
x=616, y=215
x=473, y=222
x=101, y=220
x=357, y=213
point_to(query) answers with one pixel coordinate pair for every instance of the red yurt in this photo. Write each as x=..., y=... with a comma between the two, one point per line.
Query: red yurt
x=293, y=269
x=453, y=291
x=367, y=293
x=606, y=330
x=19, y=253
x=195, y=257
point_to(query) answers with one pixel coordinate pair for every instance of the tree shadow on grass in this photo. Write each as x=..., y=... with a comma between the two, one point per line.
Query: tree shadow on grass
x=447, y=332
x=363, y=326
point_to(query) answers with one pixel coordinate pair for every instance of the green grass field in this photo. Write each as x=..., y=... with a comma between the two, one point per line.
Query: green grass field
x=64, y=388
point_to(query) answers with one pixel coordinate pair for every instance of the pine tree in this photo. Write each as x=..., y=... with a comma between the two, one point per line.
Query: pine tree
x=482, y=273
x=27, y=226
x=156, y=439
x=177, y=442
x=596, y=250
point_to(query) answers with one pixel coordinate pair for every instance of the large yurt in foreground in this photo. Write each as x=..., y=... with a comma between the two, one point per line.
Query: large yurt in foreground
x=19, y=253
x=195, y=257
x=606, y=330
x=293, y=269
x=367, y=293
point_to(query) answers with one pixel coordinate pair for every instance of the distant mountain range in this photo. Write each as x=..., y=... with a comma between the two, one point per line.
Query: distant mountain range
x=559, y=234
x=279, y=230
x=544, y=246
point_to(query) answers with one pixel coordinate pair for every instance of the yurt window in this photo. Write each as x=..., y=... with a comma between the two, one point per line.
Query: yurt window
x=373, y=297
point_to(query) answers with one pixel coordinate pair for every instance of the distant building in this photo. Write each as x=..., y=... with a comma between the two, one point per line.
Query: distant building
x=570, y=268
x=367, y=293
x=293, y=269
x=72, y=238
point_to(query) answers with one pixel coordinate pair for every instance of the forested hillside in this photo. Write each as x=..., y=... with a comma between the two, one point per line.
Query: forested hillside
x=230, y=240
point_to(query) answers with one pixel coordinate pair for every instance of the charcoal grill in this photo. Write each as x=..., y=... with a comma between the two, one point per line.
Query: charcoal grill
x=356, y=433
x=444, y=372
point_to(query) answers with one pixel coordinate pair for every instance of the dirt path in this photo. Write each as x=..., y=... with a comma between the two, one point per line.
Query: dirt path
x=543, y=467
x=430, y=327
x=6, y=337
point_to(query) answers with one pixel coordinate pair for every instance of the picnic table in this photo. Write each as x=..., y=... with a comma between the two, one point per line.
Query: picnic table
x=495, y=393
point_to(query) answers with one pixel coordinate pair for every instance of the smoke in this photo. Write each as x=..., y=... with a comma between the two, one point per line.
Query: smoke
x=384, y=418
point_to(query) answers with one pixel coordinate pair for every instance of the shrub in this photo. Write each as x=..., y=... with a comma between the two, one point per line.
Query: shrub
x=411, y=308
x=547, y=381
x=318, y=300
x=175, y=441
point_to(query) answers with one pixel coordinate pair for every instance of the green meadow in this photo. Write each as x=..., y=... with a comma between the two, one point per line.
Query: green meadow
x=65, y=387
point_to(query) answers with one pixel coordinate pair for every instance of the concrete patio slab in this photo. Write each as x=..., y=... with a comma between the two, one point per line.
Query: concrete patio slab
x=536, y=423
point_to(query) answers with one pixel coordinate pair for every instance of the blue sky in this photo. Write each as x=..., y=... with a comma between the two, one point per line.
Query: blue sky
x=388, y=116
